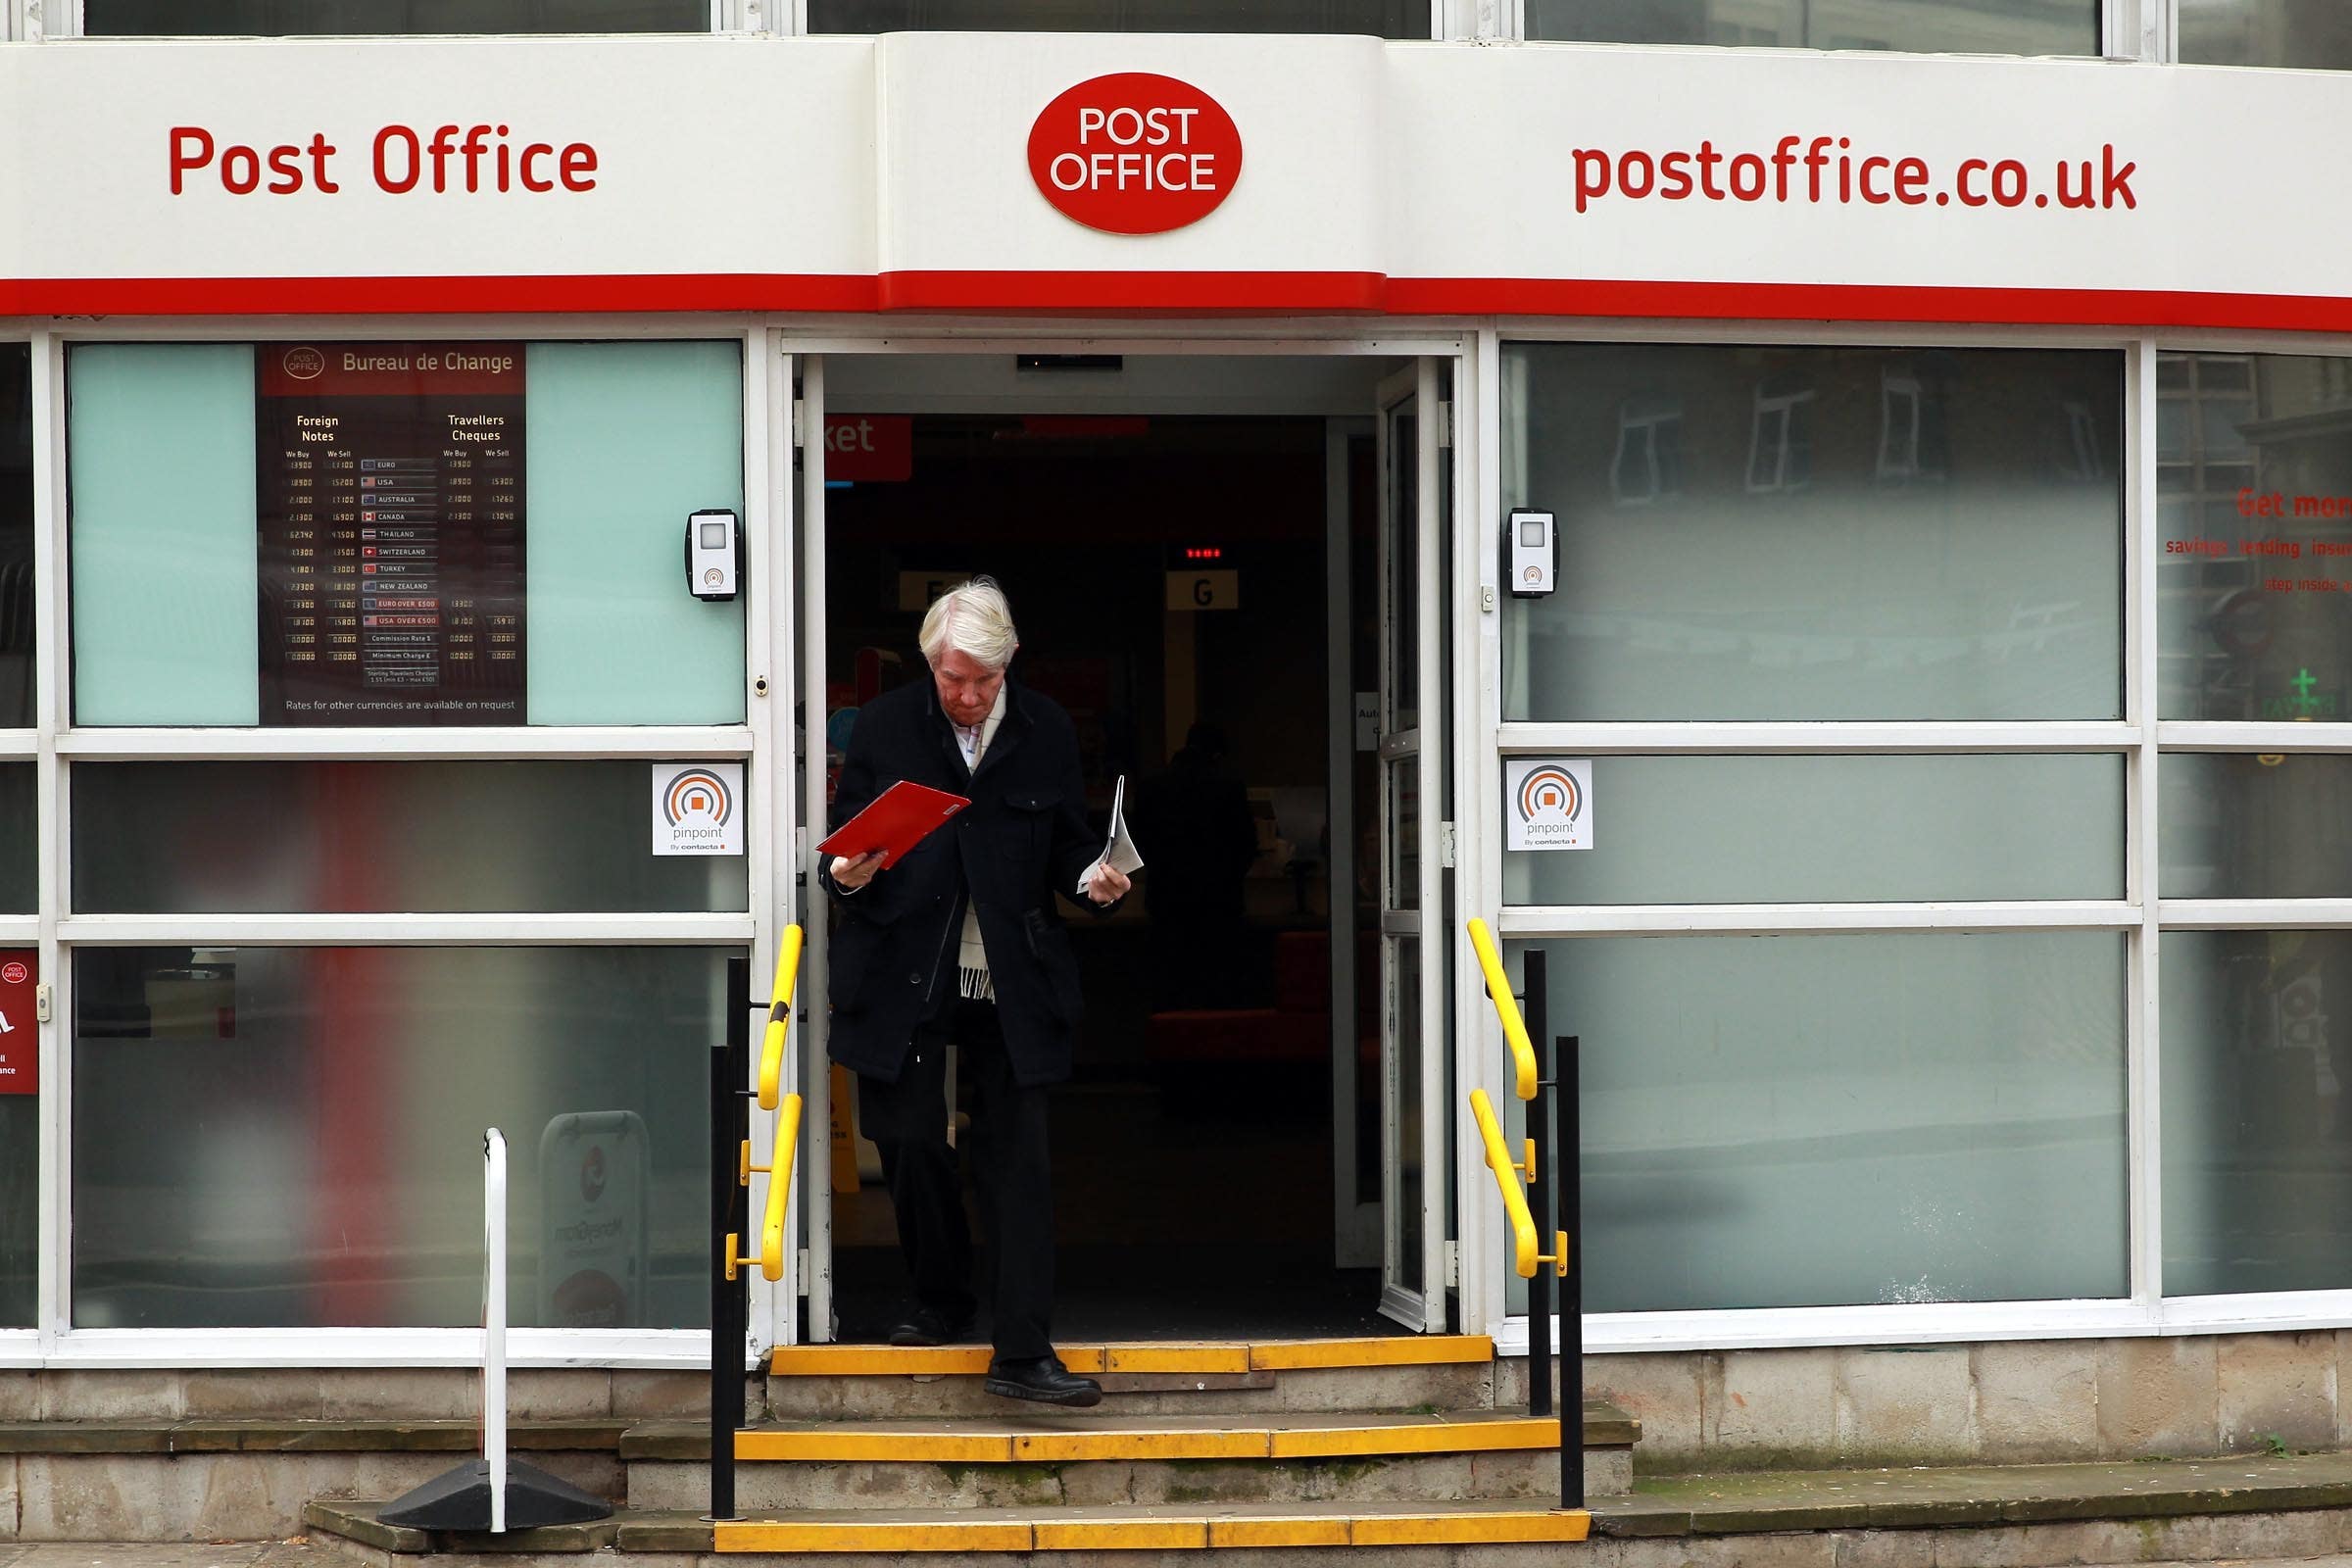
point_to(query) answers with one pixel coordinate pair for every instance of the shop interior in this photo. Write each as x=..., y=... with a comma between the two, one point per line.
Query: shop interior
x=1193, y=1154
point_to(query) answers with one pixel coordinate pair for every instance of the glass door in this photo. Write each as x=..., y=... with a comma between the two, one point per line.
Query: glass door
x=1412, y=937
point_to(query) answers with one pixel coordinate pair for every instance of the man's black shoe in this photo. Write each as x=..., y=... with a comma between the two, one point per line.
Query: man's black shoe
x=929, y=1326
x=1045, y=1380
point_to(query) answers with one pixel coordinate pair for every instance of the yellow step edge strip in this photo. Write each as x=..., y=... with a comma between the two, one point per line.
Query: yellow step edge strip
x=847, y=1445
x=1123, y=1534
x=1274, y=1355
x=1478, y=1528
x=1434, y=1350
x=1175, y=1358
x=1277, y=1532
x=1049, y=1446
x=969, y=1534
x=1434, y=1437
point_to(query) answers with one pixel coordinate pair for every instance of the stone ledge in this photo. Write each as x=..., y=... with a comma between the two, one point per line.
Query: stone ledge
x=1606, y=1427
x=595, y=1435
x=627, y=1530
x=1972, y=1495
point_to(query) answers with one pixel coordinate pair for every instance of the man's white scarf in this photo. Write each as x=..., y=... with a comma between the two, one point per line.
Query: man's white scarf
x=972, y=979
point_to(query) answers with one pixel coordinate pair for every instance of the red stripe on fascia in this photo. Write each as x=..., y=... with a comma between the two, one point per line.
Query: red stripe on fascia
x=435, y=296
x=1865, y=301
x=1154, y=293
x=1172, y=293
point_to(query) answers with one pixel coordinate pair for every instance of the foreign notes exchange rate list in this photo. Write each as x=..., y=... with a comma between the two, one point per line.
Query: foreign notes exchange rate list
x=391, y=533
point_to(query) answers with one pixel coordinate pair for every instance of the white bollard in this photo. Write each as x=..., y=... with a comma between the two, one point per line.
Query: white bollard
x=494, y=1321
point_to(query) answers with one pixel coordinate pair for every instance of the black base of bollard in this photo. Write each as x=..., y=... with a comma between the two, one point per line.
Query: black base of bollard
x=460, y=1499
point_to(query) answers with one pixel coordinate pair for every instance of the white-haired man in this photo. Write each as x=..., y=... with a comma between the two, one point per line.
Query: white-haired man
x=960, y=943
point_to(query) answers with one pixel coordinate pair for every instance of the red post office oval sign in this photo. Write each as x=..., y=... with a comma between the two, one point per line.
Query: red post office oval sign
x=1135, y=153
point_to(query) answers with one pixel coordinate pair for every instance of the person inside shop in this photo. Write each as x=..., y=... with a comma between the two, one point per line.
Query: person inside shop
x=960, y=943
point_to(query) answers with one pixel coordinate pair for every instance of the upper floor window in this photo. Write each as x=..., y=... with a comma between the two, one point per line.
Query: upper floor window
x=1924, y=27
x=1382, y=18
x=297, y=18
x=2309, y=35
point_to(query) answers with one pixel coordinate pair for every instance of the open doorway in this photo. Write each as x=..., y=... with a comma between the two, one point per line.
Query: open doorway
x=1197, y=589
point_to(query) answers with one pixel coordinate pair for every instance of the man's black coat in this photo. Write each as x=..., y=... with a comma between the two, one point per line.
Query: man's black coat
x=1022, y=840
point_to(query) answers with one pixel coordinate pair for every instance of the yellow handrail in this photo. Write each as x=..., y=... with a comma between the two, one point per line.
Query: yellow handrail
x=779, y=1020
x=1506, y=1006
x=1524, y=1257
x=778, y=1170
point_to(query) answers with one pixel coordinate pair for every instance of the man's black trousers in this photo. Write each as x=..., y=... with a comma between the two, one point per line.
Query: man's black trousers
x=908, y=1123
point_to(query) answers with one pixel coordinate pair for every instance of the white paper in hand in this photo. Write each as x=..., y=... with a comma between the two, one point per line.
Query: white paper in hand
x=1120, y=852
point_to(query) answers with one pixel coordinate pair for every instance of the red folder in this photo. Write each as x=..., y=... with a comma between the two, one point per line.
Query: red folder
x=900, y=819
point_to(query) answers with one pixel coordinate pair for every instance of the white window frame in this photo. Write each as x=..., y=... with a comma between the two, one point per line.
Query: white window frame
x=55, y=746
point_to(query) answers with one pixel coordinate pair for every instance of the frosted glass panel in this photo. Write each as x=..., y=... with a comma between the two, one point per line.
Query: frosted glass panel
x=15, y=536
x=1945, y=26
x=159, y=441
x=293, y=1136
x=1810, y=533
x=1840, y=829
x=2305, y=34
x=19, y=895
x=2240, y=827
x=171, y=838
x=624, y=440
x=2254, y=505
x=2257, y=1127
x=1382, y=18
x=20, y=1213
x=1816, y=1121
x=270, y=18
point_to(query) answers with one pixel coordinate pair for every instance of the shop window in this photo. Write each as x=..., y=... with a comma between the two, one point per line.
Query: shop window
x=291, y=18
x=431, y=837
x=400, y=533
x=292, y=1137
x=15, y=536
x=1841, y=830
x=1649, y=464
x=1381, y=19
x=2256, y=826
x=1927, y=26
x=2302, y=35
x=2257, y=1065
x=2254, y=467
x=1848, y=1120
x=1789, y=581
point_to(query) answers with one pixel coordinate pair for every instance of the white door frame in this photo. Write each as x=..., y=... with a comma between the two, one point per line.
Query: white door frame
x=803, y=354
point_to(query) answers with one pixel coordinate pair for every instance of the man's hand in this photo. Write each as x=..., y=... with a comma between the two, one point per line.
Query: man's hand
x=851, y=876
x=1106, y=884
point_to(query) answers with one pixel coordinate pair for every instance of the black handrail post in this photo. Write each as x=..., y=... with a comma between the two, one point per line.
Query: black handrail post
x=730, y=1215
x=1567, y=1096
x=1538, y=1289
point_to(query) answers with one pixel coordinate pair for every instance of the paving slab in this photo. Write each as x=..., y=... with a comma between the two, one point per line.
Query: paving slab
x=1928, y=1496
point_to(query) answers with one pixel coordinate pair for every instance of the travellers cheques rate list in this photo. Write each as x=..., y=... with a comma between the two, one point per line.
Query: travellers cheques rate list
x=391, y=533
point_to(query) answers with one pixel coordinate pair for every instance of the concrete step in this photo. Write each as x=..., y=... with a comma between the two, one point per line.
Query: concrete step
x=1059, y=1460
x=1136, y=1534
x=2291, y=1507
x=860, y=1382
